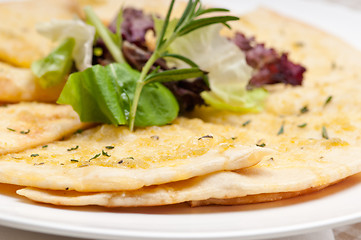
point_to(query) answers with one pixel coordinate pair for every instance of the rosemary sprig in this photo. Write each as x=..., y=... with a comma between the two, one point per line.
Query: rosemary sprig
x=188, y=22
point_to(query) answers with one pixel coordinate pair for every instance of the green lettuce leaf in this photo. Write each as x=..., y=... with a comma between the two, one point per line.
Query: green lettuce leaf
x=250, y=101
x=104, y=94
x=83, y=34
x=229, y=72
x=53, y=69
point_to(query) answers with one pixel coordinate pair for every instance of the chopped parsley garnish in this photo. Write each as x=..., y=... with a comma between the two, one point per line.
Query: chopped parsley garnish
x=246, y=123
x=73, y=148
x=34, y=155
x=260, y=144
x=25, y=132
x=303, y=125
x=105, y=154
x=206, y=136
x=45, y=146
x=95, y=156
x=74, y=160
x=282, y=130
x=328, y=100
x=109, y=147
x=155, y=137
x=324, y=133
x=304, y=110
x=10, y=129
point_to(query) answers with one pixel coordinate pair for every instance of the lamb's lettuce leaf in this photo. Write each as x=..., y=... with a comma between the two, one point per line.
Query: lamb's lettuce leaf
x=104, y=94
x=52, y=70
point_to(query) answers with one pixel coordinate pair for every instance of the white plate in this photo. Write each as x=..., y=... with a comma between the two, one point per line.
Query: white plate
x=334, y=206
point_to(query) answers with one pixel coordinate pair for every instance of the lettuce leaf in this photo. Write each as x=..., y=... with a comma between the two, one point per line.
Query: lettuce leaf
x=229, y=73
x=104, y=94
x=83, y=34
x=53, y=69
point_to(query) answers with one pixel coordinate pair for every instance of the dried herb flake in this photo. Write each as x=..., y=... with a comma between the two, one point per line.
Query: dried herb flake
x=304, y=110
x=105, y=154
x=95, y=156
x=73, y=148
x=328, y=100
x=282, y=130
x=324, y=133
x=303, y=125
x=246, y=123
x=206, y=136
x=25, y=132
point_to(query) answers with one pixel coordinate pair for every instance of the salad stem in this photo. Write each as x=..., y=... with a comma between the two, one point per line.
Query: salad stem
x=139, y=88
x=113, y=47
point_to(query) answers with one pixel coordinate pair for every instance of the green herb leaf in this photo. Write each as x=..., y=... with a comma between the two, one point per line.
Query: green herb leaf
x=104, y=94
x=95, y=156
x=246, y=123
x=304, y=110
x=324, y=133
x=203, y=22
x=302, y=125
x=260, y=144
x=104, y=153
x=73, y=148
x=210, y=10
x=53, y=69
x=328, y=100
x=25, y=132
x=174, y=75
x=282, y=130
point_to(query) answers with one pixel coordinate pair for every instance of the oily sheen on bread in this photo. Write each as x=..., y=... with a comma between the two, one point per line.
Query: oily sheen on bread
x=27, y=125
x=109, y=158
x=318, y=144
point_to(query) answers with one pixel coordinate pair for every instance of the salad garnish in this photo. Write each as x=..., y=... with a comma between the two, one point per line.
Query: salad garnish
x=128, y=83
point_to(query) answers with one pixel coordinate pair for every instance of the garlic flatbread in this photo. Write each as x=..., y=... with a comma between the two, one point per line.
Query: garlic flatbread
x=314, y=129
x=27, y=125
x=109, y=158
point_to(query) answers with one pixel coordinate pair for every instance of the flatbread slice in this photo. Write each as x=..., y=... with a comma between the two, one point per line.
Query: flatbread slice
x=109, y=158
x=315, y=137
x=260, y=183
x=20, y=44
x=108, y=9
x=26, y=125
x=20, y=84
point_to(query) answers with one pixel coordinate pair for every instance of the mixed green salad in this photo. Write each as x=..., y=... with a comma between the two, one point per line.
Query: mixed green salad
x=113, y=77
